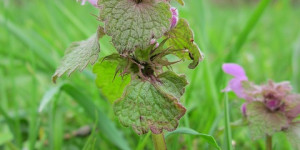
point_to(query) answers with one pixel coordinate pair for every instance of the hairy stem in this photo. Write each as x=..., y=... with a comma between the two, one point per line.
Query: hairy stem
x=159, y=141
x=268, y=142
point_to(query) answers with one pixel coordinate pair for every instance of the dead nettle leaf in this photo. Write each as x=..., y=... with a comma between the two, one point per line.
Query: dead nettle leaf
x=262, y=121
x=79, y=54
x=173, y=83
x=133, y=24
x=145, y=105
x=182, y=41
x=108, y=79
x=293, y=134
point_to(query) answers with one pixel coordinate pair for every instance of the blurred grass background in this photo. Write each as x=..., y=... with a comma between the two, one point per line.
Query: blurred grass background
x=34, y=35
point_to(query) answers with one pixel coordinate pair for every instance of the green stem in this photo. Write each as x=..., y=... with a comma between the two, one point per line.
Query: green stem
x=228, y=136
x=159, y=141
x=268, y=142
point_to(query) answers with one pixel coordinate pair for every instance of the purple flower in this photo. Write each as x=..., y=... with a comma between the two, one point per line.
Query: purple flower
x=235, y=84
x=270, y=107
x=174, y=19
x=93, y=2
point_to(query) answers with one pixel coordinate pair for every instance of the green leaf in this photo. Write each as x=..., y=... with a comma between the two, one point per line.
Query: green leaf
x=104, y=124
x=133, y=25
x=173, y=84
x=48, y=96
x=293, y=134
x=145, y=105
x=182, y=38
x=79, y=55
x=110, y=84
x=210, y=139
x=262, y=121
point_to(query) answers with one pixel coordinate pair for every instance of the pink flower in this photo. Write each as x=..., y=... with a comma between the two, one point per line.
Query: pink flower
x=153, y=41
x=93, y=2
x=235, y=84
x=270, y=108
x=174, y=19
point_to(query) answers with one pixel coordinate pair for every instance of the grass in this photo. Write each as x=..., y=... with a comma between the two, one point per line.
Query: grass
x=34, y=34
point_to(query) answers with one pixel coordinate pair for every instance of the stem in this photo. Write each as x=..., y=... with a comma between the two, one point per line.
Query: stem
x=159, y=141
x=228, y=136
x=268, y=142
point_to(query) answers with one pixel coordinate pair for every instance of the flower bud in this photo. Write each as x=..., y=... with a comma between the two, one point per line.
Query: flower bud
x=153, y=41
x=244, y=109
x=174, y=19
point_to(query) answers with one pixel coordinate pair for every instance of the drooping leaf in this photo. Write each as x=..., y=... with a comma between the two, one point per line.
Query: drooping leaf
x=111, y=84
x=133, y=24
x=145, y=105
x=210, y=139
x=182, y=38
x=293, y=134
x=79, y=54
x=262, y=121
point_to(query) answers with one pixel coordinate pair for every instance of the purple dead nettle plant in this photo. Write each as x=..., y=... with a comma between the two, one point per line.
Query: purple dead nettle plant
x=268, y=108
x=137, y=78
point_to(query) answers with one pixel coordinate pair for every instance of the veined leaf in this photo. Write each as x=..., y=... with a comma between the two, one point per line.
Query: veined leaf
x=145, y=105
x=133, y=25
x=262, y=121
x=182, y=38
x=111, y=84
x=293, y=134
x=173, y=84
x=79, y=55
x=210, y=139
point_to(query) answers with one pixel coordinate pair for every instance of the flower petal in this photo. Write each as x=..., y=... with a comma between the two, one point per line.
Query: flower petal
x=174, y=19
x=236, y=86
x=234, y=70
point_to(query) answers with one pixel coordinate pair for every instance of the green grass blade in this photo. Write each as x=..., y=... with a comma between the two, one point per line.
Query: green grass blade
x=295, y=64
x=228, y=137
x=19, y=33
x=210, y=139
x=48, y=96
x=247, y=29
x=105, y=125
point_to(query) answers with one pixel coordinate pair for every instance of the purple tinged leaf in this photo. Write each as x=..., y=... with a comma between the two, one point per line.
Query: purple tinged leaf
x=181, y=41
x=262, y=121
x=293, y=134
x=152, y=106
x=132, y=25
